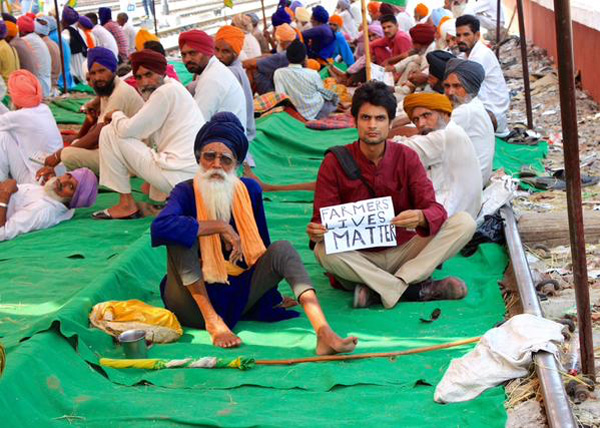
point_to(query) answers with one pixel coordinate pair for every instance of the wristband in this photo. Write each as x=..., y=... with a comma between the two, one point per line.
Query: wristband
x=3, y=205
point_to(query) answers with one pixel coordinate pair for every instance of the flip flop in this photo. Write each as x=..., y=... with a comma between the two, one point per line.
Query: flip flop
x=105, y=215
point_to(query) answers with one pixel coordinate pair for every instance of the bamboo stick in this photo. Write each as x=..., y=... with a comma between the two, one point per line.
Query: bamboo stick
x=366, y=38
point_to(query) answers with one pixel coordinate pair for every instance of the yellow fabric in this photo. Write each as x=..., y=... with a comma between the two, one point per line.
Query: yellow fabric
x=214, y=267
x=302, y=14
x=422, y=10
x=114, y=317
x=10, y=60
x=142, y=37
x=146, y=363
x=233, y=36
x=429, y=101
x=342, y=91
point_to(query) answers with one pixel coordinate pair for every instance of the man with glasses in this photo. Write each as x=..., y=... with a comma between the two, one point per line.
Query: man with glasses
x=155, y=144
x=221, y=265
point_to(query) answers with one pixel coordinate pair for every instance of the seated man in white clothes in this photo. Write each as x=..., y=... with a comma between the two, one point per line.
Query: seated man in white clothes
x=28, y=207
x=446, y=153
x=29, y=132
x=493, y=93
x=215, y=88
x=156, y=144
x=462, y=81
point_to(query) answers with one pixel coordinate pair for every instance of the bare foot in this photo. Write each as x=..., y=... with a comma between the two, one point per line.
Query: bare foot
x=329, y=343
x=120, y=211
x=221, y=335
x=288, y=302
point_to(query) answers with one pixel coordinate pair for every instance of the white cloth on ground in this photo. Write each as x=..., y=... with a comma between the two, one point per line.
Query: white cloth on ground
x=31, y=209
x=452, y=166
x=504, y=353
x=169, y=122
x=493, y=93
x=43, y=61
x=474, y=119
x=30, y=132
x=217, y=90
x=105, y=39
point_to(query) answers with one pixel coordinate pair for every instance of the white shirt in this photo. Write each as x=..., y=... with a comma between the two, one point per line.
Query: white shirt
x=488, y=8
x=35, y=131
x=217, y=90
x=43, y=61
x=105, y=39
x=356, y=9
x=31, y=209
x=493, y=92
x=350, y=24
x=452, y=166
x=123, y=98
x=405, y=21
x=473, y=118
x=251, y=48
x=130, y=32
x=169, y=120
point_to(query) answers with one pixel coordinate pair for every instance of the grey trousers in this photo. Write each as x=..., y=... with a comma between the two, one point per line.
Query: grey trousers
x=281, y=261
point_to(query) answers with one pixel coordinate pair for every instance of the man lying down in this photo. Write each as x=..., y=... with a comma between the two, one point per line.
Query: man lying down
x=28, y=207
x=221, y=264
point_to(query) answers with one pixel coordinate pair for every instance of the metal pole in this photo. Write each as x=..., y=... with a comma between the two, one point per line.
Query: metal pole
x=556, y=402
x=365, y=26
x=498, y=29
x=525, y=64
x=568, y=113
x=60, y=47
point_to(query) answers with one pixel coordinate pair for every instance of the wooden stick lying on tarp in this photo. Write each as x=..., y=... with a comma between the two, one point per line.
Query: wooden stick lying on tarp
x=327, y=358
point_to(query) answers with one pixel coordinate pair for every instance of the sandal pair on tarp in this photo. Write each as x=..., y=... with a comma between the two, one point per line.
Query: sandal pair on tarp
x=557, y=181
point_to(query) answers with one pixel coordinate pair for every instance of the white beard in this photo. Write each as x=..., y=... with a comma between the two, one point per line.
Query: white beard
x=217, y=193
x=51, y=193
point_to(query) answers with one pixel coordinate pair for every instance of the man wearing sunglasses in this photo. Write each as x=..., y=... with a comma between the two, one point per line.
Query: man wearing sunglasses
x=155, y=144
x=221, y=264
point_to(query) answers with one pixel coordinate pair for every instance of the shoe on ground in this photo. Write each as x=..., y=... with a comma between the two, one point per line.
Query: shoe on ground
x=450, y=288
x=364, y=297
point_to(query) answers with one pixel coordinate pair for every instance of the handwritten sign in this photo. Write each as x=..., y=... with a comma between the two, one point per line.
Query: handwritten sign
x=359, y=225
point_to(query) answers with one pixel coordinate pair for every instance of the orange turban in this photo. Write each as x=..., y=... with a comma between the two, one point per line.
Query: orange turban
x=313, y=64
x=285, y=33
x=233, y=36
x=13, y=30
x=374, y=6
x=422, y=10
x=337, y=20
x=142, y=37
x=24, y=89
x=439, y=27
x=429, y=101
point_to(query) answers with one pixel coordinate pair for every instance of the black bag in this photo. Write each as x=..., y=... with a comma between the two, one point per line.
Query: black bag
x=350, y=166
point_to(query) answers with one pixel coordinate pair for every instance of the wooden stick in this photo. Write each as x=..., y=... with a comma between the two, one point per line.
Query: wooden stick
x=262, y=6
x=327, y=358
x=366, y=38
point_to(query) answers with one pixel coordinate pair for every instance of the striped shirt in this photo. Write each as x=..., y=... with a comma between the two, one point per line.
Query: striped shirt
x=303, y=86
x=122, y=42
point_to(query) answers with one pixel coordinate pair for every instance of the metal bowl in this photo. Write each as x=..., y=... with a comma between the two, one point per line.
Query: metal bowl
x=134, y=343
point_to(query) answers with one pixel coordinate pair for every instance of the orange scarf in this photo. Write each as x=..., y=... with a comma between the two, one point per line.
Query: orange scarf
x=89, y=39
x=215, y=268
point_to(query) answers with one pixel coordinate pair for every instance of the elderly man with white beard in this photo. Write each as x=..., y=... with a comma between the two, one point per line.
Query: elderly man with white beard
x=155, y=144
x=221, y=264
x=28, y=207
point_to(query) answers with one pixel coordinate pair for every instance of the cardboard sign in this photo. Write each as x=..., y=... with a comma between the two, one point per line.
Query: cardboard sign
x=359, y=225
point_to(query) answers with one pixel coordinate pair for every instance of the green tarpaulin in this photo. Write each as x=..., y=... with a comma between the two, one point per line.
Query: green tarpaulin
x=52, y=278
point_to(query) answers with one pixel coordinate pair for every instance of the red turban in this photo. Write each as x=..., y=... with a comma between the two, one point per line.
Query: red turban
x=374, y=6
x=26, y=24
x=197, y=40
x=24, y=89
x=149, y=59
x=422, y=33
x=233, y=36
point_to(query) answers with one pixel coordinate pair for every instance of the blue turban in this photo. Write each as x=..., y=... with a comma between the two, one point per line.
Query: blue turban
x=105, y=15
x=226, y=128
x=41, y=26
x=254, y=17
x=86, y=22
x=3, y=30
x=470, y=74
x=280, y=17
x=104, y=57
x=438, y=14
x=70, y=15
x=319, y=14
x=296, y=4
x=52, y=25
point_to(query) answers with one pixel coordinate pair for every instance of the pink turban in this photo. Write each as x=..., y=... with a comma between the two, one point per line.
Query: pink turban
x=24, y=89
x=26, y=24
x=197, y=40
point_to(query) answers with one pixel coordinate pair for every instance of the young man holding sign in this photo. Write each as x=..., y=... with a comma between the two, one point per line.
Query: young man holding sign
x=425, y=237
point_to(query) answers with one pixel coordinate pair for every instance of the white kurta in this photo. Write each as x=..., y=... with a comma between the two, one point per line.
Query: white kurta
x=251, y=48
x=169, y=121
x=350, y=24
x=476, y=122
x=26, y=132
x=78, y=61
x=452, y=166
x=217, y=89
x=130, y=32
x=405, y=21
x=43, y=61
x=486, y=11
x=493, y=93
x=30, y=209
x=105, y=39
